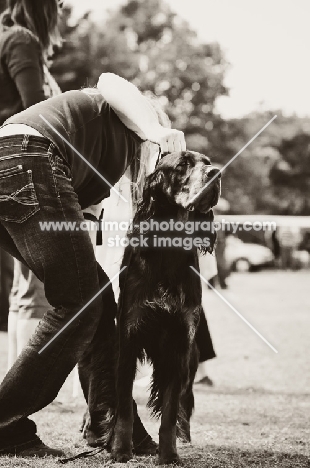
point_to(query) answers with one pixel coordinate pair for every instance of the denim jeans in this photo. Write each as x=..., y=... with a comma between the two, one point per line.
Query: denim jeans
x=35, y=186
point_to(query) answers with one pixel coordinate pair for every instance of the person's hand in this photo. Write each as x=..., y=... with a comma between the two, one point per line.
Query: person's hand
x=169, y=139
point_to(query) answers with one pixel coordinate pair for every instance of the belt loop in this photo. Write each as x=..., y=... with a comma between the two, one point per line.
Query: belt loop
x=25, y=142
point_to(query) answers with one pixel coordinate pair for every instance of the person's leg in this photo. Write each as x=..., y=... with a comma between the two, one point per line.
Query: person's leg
x=6, y=277
x=13, y=315
x=27, y=306
x=65, y=262
x=284, y=258
x=205, y=348
x=25, y=328
x=222, y=271
x=96, y=372
x=32, y=305
x=204, y=340
x=290, y=258
x=12, y=338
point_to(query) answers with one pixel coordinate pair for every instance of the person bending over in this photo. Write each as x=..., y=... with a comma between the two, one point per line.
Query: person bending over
x=57, y=158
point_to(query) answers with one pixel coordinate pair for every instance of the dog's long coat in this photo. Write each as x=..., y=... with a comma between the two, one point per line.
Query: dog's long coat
x=160, y=302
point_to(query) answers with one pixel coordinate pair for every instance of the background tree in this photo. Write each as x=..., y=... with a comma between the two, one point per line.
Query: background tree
x=72, y=65
x=290, y=176
x=145, y=42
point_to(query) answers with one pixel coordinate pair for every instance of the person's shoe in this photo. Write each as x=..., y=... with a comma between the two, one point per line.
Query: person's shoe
x=147, y=447
x=32, y=449
x=212, y=282
x=205, y=381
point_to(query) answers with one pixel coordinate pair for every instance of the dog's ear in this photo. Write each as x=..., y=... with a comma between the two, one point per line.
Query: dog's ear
x=155, y=180
x=209, y=234
x=146, y=205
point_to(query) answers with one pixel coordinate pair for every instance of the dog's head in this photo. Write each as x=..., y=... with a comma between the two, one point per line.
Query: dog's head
x=189, y=180
x=186, y=180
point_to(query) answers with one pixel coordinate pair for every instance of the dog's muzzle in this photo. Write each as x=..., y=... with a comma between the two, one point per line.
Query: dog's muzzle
x=211, y=189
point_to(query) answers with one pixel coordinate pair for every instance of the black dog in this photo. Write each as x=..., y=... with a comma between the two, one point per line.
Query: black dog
x=160, y=299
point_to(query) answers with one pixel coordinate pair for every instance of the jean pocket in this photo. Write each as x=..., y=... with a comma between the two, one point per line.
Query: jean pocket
x=18, y=199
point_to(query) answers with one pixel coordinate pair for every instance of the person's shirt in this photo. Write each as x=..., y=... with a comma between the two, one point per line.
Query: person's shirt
x=89, y=135
x=23, y=81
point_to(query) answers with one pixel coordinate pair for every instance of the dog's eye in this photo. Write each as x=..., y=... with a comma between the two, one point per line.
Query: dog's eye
x=184, y=163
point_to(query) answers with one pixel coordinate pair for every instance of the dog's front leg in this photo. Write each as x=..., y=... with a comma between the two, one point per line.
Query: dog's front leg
x=126, y=369
x=167, y=431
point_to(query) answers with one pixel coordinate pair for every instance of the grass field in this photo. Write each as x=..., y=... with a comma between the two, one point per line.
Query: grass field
x=256, y=415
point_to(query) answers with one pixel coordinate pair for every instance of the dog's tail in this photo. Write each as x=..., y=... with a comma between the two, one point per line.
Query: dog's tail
x=184, y=411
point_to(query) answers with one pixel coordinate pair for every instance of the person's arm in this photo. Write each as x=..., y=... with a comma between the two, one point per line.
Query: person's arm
x=23, y=58
x=30, y=86
x=137, y=113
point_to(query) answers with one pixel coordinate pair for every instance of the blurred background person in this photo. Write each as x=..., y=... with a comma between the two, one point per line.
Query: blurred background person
x=6, y=277
x=28, y=34
x=289, y=238
x=275, y=247
x=206, y=351
x=222, y=268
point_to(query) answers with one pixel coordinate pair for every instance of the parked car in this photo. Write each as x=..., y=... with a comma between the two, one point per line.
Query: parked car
x=241, y=256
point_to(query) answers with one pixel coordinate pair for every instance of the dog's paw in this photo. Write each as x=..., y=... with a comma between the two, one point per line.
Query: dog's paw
x=121, y=457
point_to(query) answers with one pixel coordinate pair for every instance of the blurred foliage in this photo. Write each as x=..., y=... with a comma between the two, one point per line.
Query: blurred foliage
x=148, y=44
